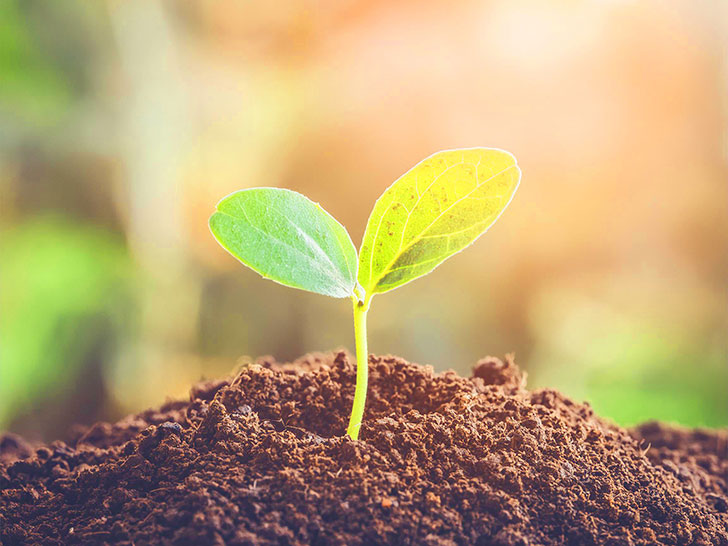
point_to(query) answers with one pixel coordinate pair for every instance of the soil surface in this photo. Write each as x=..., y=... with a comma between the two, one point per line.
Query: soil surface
x=260, y=458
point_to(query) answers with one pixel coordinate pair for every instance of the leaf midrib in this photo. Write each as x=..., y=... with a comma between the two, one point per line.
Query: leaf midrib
x=314, y=263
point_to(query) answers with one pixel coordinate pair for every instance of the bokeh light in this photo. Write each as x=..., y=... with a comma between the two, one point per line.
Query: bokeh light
x=123, y=123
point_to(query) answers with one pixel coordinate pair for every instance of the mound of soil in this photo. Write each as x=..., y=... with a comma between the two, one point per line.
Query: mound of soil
x=442, y=460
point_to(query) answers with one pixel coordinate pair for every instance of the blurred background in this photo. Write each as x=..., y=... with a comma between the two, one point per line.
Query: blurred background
x=122, y=123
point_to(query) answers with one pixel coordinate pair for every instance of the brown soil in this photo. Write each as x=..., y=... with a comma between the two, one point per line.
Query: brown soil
x=442, y=460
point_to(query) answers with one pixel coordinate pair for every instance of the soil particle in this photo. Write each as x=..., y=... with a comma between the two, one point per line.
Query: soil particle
x=13, y=447
x=442, y=460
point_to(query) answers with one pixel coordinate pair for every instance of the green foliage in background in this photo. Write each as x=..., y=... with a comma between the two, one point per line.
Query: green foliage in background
x=32, y=88
x=633, y=369
x=57, y=280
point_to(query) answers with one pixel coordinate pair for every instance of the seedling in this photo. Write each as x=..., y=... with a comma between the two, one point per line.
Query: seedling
x=436, y=209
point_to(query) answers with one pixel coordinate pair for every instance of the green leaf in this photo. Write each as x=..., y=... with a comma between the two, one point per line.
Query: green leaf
x=440, y=206
x=287, y=238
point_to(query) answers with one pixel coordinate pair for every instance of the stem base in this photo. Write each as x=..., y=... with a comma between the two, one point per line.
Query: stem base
x=361, y=307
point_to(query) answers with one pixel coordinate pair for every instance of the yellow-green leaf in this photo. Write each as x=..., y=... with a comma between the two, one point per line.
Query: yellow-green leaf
x=287, y=238
x=440, y=206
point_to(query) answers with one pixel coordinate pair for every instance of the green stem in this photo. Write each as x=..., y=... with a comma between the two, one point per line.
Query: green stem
x=361, y=306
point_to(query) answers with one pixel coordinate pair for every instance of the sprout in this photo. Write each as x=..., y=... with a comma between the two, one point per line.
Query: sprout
x=436, y=209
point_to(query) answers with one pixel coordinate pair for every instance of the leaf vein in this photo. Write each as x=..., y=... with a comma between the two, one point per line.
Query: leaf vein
x=316, y=265
x=399, y=252
x=419, y=198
